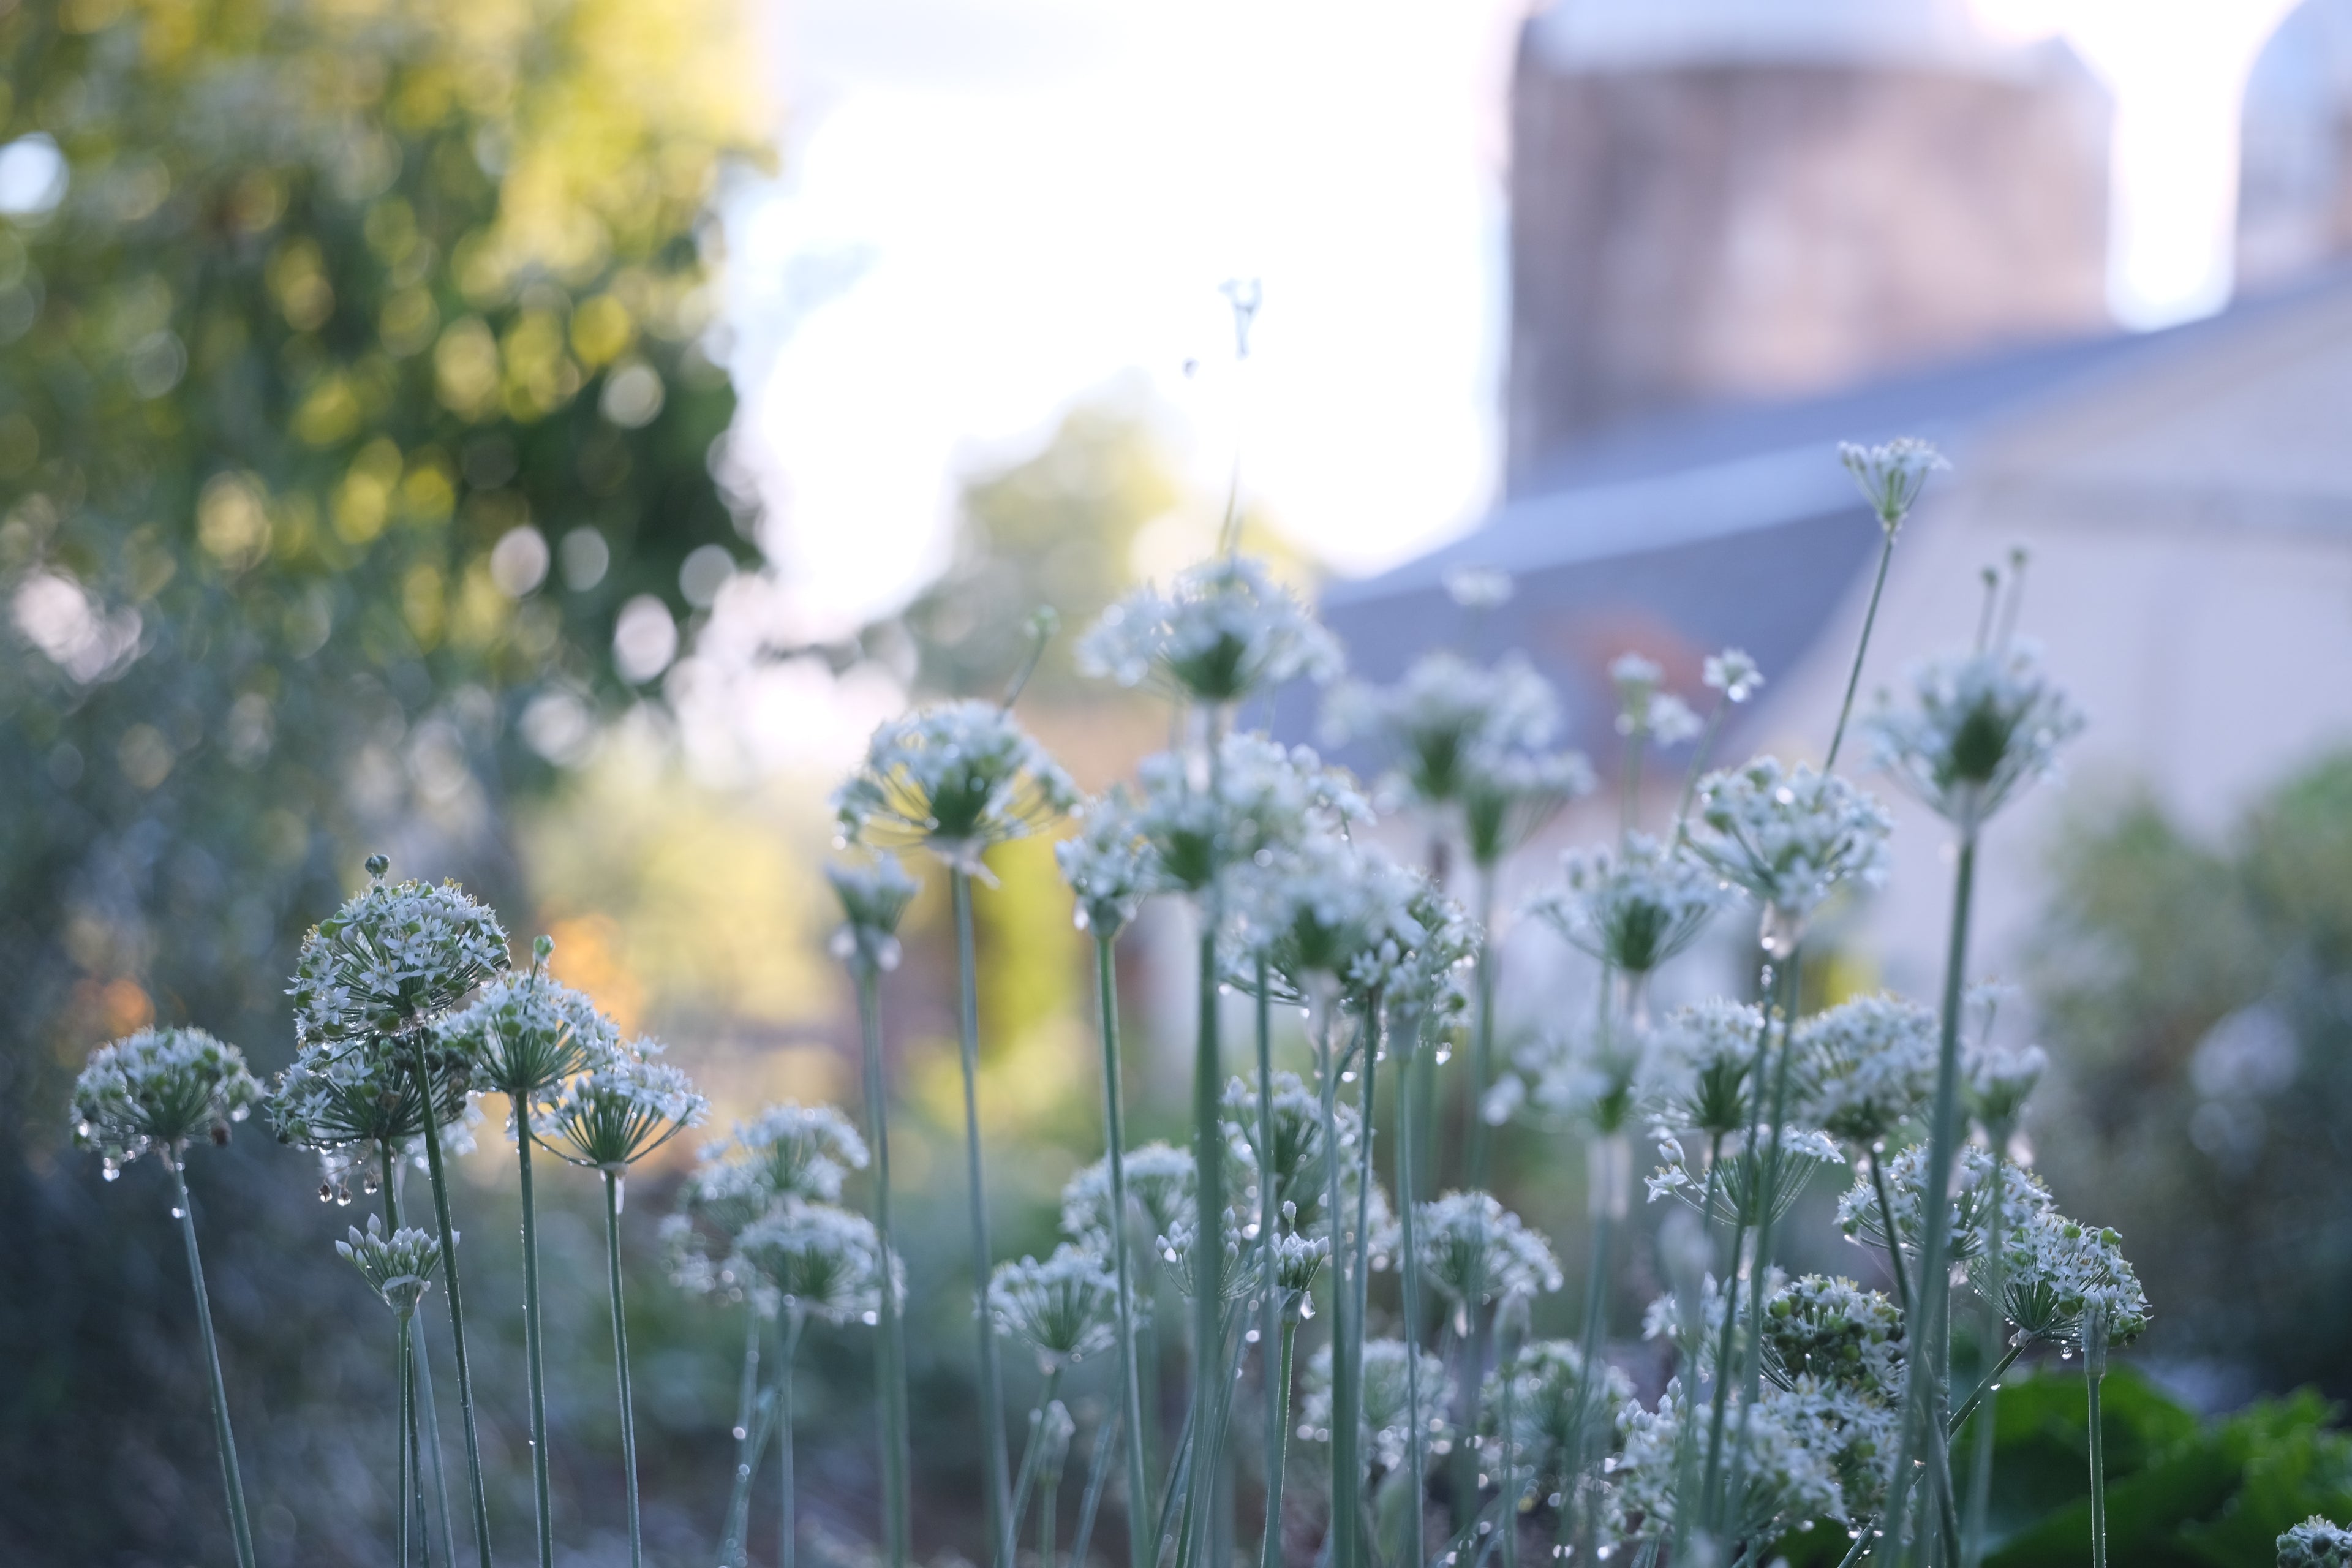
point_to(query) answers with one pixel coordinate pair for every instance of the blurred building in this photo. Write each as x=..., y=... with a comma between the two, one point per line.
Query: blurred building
x=2186, y=500
x=1749, y=198
x=2294, y=187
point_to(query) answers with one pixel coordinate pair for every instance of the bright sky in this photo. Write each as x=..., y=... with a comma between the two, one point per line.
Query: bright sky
x=993, y=206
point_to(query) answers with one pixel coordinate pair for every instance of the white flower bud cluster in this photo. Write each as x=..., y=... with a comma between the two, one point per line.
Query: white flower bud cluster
x=1978, y=727
x=1632, y=906
x=1386, y=1432
x=628, y=1105
x=160, y=1091
x=956, y=779
x=1473, y=1250
x=1789, y=835
x=1867, y=1066
x=395, y=955
x=819, y=1261
x=1065, y=1309
x=1223, y=632
x=399, y=1268
x=874, y=899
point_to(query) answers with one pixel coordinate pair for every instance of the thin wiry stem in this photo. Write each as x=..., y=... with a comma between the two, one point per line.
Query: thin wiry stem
x=1922, y=1383
x=232, y=1480
x=788, y=1523
x=621, y=1364
x=1477, y=1159
x=1995, y=1322
x=534, y=1344
x=2098, y=1471
x=1098, y=1474
x=733, y=1549
x=890, y=1342
x=1208, y=1250
x=1279, y=1447
x=1347, y=1473
x=1853, y=677
x=1894, y=1245
x=1276, y=1379
x=991, y=1382
x=400, y=1443
x=1409, y=1280
x=1596, y=1317
x=481, y=1499
x=1769, y=1202
x=1139, y=1487
x=426, y=1418
x=1708, y=1495
x=1033, y=1451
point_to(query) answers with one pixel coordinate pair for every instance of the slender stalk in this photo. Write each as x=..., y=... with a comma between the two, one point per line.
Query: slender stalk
x=481, y=1500
x=231, y=1481
x=621, y=1362
x=1862, y=1537
x=1708, y=1496
x=1987, y=1387
x=1365, y=1105
x=1270, y=1319
x=1476, y=1163
x=1853, y=677
x=1630, y=790
x=1596, y=1308
x=2093, y=1377
x=890, y=1342
x=1347, y=1475
x=1033, y=1452
x=1894, y=1245
x=991, y=1382
x=1048, y=1504
x=1131, y=1394
x=732, y=1550
x=1409, y=1280
x=1269, y=1554
x=534, y=1346
x=1768, y=1201
x=788, y=1534
x=1209, y=1258
x=1996, y=1322
x=1922, y=1383
x=1506, y=1504
x=427, y=1416
x=403, y=1442
x=1098, y=1473
x=1699, y=754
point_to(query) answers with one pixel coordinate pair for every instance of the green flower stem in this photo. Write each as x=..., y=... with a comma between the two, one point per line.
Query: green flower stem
x=231, y=1481
x=991, y=1382
x=1995, y=1324
x=1347, y=1474
x=621, y=1362
x=1130, y=1395
x=481, y=1499
x=1209, y=1255
x=788, y=1328
x=1476, y=1164
x=2094, y=1373
x=1409, y=1281
x=1894, y=1245
x=1506, y=1504
x=1788, y=976
x=534, y=1346
x=1863, y=1539
x=1922, y=1383
x=1853, y=677
x=732, y=1550
x=1048, y=1504
x=1031, y=1452
x=1107, y=1440
x=890, y=1342
x=1710, y=1496
x=401, y=1442
x=1277, y=1446
x=426, y=1418
x=1275, y=1378
x=1596, y=1317
x=1986, y=1389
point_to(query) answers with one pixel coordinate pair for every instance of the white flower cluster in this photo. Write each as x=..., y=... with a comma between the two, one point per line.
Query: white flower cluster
x=1552, y=1416
x=628, y=1105
x=1474, y=1251
x=1580, y=1077
x=1331, y=915
x=1447, y=720
x=1635, y=906
x=1867, y=1066
x=1646, y=710
x=398, y=1267
x=2316, y=1543
x=1979, y=727
x=1226, y=631
x=1789, y=835
x=819, y=1261
x=1998, y=1080
x=787, y=1157
x=528, y=1031
x=1065, y=1309
x=1385, y=1411
x=2066, y=1284
x=1892, y=474
x=1259, y=802
x=1110, y=863
x=1160, y=1185
x=874, y=898
x=1970, y=1202
x=1706, y=1052
x=1785, y=1480
x=354, y=1106
x=1298, y=1167
x=160, y=1090
x=1741, y=1182
x=395, y=954
x=956, y=779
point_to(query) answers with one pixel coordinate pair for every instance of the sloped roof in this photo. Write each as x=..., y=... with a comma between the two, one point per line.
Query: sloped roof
x=1738, y=526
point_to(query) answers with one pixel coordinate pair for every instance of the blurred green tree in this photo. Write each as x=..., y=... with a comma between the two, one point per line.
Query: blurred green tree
x=358, y=447
x=2198, y=999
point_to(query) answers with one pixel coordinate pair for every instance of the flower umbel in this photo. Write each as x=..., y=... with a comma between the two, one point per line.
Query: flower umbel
x=1892, y=475
x=1789, y=835
x=160, y=1090
x=822, y=1261
x=1065, y=1309
x=1474, y=1251
x=1980, y=726
x=1442, y=717
x=528, y=1031
x=396, y=952
x=1632, y=908
x=1109, y=866
x=399, y=1268
x=621, y=1112
x=1868, y=1066
x=874, y=898
x=2314, y=1544
x=1223, y=632
x=956, y=779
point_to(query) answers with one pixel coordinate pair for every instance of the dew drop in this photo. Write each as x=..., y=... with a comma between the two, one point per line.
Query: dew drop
x=179, y=1212
x=869, y=1319
x=741, y=1434
x=111, y=1172
x=342, y=1197
x=326, y=1192
x=1445, y=1055
x=1349, y=1076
